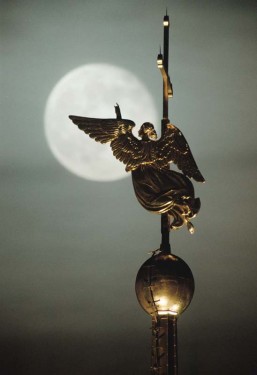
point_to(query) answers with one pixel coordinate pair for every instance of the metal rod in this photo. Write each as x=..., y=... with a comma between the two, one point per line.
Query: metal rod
x=172, y=346
x=164, y=345
x=165, y=222
x=166, y=26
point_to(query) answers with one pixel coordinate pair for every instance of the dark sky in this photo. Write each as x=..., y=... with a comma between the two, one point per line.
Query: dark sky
x=71, y=248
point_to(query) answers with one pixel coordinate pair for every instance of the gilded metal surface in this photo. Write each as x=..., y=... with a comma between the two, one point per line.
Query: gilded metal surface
x=164, y=288
x=164, y=358
x=157, y=188
x=164, y=285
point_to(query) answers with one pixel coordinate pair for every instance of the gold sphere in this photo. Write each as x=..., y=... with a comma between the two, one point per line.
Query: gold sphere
x=164, y=285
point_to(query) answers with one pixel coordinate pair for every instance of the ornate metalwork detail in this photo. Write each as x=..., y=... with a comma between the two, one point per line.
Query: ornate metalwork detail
x=157, y=188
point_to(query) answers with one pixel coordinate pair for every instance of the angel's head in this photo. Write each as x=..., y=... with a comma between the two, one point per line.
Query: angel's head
x=147, y=131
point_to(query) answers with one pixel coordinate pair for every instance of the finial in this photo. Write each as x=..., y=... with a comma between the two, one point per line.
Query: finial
x=166, y=21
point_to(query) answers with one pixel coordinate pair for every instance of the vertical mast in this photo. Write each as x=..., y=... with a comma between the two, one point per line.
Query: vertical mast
x=164, y=327
x=165, y=283
x=164, y=345
x=163, y=62
x=166, y=27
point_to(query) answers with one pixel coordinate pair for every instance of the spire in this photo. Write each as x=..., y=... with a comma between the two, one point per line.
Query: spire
x=162, y=63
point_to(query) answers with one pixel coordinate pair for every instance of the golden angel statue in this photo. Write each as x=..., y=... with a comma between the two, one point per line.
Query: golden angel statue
x=157, y=188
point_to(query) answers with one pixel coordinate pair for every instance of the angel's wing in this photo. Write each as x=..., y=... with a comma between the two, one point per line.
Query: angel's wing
x=173, y=147
x=103, y=130
x=125, y=146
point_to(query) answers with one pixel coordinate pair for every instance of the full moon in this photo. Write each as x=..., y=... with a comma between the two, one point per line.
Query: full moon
x=92, y=91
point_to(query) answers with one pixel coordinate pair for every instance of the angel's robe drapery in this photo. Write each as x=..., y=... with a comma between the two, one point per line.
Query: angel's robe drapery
x=158, y=189
x=164, y=190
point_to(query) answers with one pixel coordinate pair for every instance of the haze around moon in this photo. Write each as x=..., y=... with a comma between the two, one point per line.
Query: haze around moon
x=92, y=91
